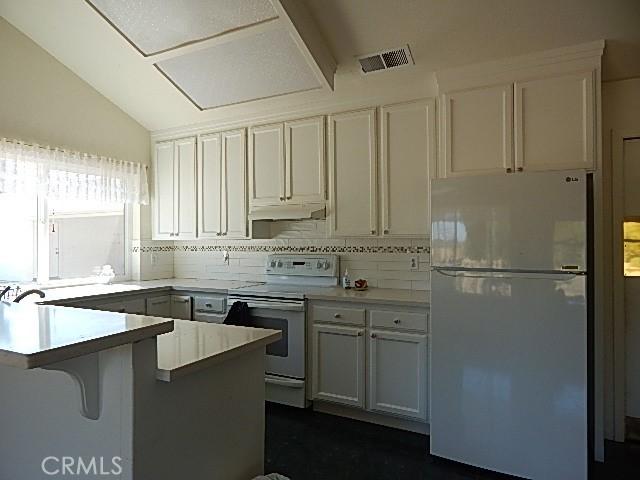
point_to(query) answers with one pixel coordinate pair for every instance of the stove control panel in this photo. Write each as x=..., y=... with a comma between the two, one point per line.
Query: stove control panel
x=305, y=265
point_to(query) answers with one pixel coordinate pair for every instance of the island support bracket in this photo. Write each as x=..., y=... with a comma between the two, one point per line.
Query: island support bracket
x=85, y=372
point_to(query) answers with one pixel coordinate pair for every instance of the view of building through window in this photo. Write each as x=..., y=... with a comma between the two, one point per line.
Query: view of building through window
x=82, y=237
x=632, y=248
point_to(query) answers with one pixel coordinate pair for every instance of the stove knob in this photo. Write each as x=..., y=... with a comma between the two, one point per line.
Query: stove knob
x=319, y=265
x=327, y=265
x=272, y=264
x=279, y=264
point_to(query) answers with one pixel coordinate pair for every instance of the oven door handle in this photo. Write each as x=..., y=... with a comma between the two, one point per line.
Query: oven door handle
x=290, y=307
x=284, y=382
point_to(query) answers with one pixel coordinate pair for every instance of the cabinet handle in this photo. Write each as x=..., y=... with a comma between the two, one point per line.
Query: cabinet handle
x=373, y=232
x=289, y=197
x=386, y=231
x=336, y=315
x=282, y=199
x=396, y=321
x=509, y=170
x=520, y=169
x=359, y=334
x=373, y=335
x=180, y=300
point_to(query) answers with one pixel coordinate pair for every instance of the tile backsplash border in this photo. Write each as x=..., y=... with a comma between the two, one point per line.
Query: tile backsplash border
x=373, y=249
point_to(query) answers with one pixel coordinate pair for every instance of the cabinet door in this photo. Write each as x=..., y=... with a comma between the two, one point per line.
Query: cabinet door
x=398, y=373
x=477, y=130
x=163, y=200
x=234, y=158
x=305, y=165
x=181, y=307
x=159, y=306
x=338, y=364
x=210, y=187
x=352, y=174
x=407, y=161
x=185, y=185
x=554, y=123
x=266, y=165
x=135, y=306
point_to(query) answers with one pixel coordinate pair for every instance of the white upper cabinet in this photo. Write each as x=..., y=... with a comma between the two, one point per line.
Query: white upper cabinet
x=185, y=165
x=174, y=203
x=210, y=186
x=352, y=174
x=477, y=131
x=222, y=197
x=234, y=177
x=407, y=164
x=163, y=201
x=266, y=165
x=304, y=161
x=554, y=123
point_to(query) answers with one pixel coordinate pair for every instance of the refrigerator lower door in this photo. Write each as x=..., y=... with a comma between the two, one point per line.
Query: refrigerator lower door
x=509, y=372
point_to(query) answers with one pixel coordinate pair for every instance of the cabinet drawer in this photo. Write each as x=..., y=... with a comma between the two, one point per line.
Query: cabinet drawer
x=351, y=316
x=399, y=320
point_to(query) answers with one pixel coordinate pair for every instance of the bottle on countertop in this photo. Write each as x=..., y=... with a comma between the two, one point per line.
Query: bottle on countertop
x=346, y=281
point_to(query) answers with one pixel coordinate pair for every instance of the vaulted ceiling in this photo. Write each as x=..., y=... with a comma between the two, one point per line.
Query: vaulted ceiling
x=120, y=62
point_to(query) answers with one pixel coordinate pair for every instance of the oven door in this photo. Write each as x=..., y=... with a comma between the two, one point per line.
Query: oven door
x=285, y=357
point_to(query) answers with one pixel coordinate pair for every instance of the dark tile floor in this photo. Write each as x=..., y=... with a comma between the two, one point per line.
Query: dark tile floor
x=307, y=445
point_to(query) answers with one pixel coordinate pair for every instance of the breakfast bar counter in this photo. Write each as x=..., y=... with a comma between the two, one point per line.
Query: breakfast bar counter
x=151, y=397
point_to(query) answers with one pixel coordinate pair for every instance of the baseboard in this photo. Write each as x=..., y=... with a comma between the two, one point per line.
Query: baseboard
x=364, y=416
x=632, y=429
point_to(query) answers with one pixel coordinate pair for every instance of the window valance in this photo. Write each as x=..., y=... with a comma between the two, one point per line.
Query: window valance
x=67, y=175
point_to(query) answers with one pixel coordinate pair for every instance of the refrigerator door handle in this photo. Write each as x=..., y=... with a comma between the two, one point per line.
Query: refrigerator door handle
x=490, y=273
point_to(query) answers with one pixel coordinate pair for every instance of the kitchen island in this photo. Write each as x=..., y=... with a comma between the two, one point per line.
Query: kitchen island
x=128, y=395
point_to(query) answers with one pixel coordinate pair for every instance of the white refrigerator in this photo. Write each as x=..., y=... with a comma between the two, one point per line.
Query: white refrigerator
x=509, y=323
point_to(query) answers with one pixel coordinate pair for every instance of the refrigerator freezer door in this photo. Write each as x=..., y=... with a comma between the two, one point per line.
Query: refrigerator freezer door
x=533, y=221
x=509, y=373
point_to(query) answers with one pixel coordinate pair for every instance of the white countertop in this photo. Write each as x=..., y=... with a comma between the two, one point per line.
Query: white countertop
x=372, y=295
x=87, y=292
x=37, y=335
x=194, y=346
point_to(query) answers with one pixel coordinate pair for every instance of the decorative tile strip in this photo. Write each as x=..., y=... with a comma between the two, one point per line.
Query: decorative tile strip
x=283, y=249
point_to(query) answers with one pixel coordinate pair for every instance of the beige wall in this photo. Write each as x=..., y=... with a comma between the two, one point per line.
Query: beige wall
x=42, y=101
x=621, y=114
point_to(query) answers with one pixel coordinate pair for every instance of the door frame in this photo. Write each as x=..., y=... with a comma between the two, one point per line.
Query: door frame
x=617, y=330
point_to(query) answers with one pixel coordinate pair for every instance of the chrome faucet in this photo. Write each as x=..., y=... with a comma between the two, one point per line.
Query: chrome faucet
x=27, y=293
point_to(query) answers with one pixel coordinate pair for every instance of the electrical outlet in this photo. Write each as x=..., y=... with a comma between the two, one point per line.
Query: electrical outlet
x=413, y=263
x=225, y=256
x=154, y=259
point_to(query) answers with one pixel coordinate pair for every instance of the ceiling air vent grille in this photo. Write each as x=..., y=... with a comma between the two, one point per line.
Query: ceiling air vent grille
x=386, y=60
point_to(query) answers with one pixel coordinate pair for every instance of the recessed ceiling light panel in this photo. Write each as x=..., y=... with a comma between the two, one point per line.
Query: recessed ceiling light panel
x=250, y=68
x=154, y=26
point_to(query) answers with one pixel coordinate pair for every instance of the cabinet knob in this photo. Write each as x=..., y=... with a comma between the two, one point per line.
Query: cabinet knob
x=336, y=315
x=520, y=169
x=396, y=321
x=386, y=230
x=359, y=334
x=282, y=199
x=373, y=335
x=289, y=197
x=373, y=232
x=509, y=170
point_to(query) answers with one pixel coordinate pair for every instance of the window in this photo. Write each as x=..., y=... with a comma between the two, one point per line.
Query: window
x=632, y=247
x=77, y=238
x=84, y=236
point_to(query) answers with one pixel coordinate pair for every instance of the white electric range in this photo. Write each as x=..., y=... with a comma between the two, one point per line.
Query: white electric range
x=279, y=304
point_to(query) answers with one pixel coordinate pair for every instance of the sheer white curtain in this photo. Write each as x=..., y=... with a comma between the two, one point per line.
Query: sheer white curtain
x=66, y=175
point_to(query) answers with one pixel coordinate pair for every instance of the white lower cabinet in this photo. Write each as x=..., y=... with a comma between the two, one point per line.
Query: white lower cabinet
x=338, y=364
x=371, y=358
x=397, y=373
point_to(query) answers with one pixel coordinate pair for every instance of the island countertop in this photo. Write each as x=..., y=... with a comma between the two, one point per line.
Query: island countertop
x=34, y=336
x=193, y=346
